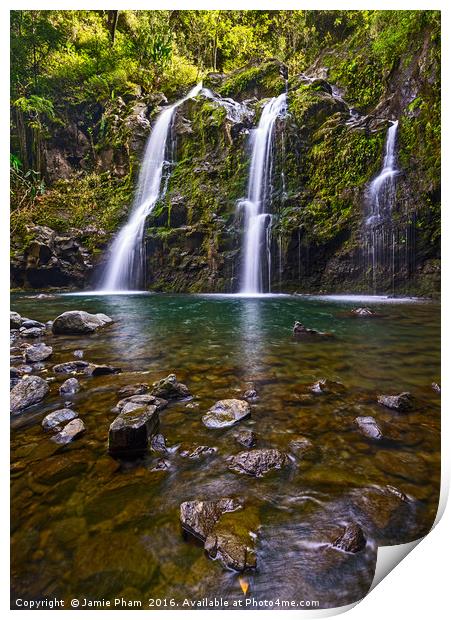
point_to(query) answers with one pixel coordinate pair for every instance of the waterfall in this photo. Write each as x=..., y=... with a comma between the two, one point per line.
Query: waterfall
x=125, y=266
x=257, y=219
x=378, y=224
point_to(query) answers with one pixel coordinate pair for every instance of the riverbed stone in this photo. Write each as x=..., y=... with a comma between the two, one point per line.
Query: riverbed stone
x=70, y=386
x=325, y=386
x=368, y=427
x=304, y=449
x=300, y=330
x=352, y=539
x=38, y=352
x=134, y=389
x=28, y=391
x=226, y=413
x=231, y=550
x=31, y=332
x=170, y=389
x=71, y=431
x=78, y=353
x=385, y=508
x=198, y=517
x=130, y=432
x=140, y=400
x=58, y=418
x=251, y=395
x=97, y=370
x=194, y=451
x=15, y=320
x=258, y=462
x=246, y=438
x=436, y=387
x=70, y=367
x=79, y=322
x=363, y=312
x=399, y=402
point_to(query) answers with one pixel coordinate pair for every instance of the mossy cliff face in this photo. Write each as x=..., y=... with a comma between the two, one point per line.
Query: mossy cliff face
x=326, y=152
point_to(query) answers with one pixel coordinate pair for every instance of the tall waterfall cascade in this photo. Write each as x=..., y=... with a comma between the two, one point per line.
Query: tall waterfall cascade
x=379, y=233
x=125, y=266
x=257, y=219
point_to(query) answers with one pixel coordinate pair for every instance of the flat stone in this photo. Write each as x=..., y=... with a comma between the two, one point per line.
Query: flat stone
x=79, y=322
x=368, y=426
x=352, y=540
x=70, y=367
x=130, y=432
x=57, y=418
x=226, y=413
x=28, y=391
x=71, y=431
x=170, y=389
x=400, y=402
x=258, y=462
x=28, y=323
x=38, y=352
x=70, y=386
x=199, y=517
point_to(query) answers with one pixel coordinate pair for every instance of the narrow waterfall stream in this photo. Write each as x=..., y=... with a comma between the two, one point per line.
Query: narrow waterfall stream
x=257, y=219
x=125, y=267
x=380, y=240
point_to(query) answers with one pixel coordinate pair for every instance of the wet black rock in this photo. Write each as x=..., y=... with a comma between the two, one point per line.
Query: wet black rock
x=71, y=431
x=199, y=517
x=352, y=540
x=226, y=413
x=97, y=370
x=79, y=322
x=70, y=367
x=29, y=323
x=70, y=386
x=133, y=390
x=58, y=418
x=304, y=449
x=170, y=389
x=301, y=331
x=130, y=433
x=246, y=438
x=258, y=462
x=231, y=550
x=158, y=444
x=368, y=426
x=399, y=402
x=38, y=352
x=28, y=391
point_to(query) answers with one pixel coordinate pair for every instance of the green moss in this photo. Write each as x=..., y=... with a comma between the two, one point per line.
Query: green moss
x=240, y=84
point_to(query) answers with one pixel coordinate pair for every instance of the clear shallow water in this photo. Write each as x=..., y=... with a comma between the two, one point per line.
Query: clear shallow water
x=85, y=525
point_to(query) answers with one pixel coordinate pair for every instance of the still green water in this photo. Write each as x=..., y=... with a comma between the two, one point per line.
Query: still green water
x=84, y=525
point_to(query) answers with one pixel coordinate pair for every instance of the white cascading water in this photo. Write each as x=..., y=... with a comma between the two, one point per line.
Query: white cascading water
x=125, y=267
x=256, y=219
x=381, y=190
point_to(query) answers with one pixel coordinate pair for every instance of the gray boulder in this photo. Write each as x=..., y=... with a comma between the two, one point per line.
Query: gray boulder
x=28, y=391
x=71, y=431
x=226, y=413
x=258, y=462
x=79, y=322
x=130, y=432
x=38, y=352
x=369, y=427
x=57, y=418
x=70, y=386
x=400, y=402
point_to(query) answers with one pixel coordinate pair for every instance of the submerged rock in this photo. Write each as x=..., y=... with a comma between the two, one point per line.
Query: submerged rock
x=199, y=517
x=386, y=508
x=400, y=402
x=71, y=431
x=436, y=387
x=133, y=390
x=325, y=386
x=369, y=427
x=230, y=549
x=130, y=432
x=246, y=438
x=352, y=540
x=363, y=312
x=38, y=352
x=97, y=370
x=304, y=449
x=70, y=367
x=170, y=389
x=300, y=330
x=226, y=413
x=158, y=444
x=195, y=451
x=79, y=322
x=57, y=418
x=258, y=462
x=70, y=386
x=28, y=391
x=251, y=395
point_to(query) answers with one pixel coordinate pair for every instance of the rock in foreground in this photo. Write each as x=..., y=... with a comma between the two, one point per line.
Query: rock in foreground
x=57, y=418
x=352, y=540
x=71, y=431
x=258, y=462
x=70, y=386
x=400, y=402
x=226, y=413
x=79, y=322
x=27, y=392
x=130, y=432
x=38, y=352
